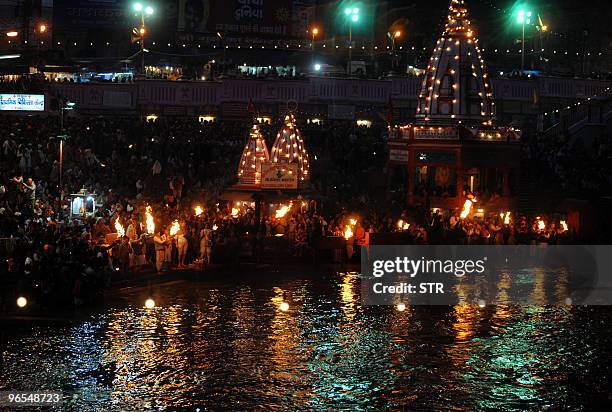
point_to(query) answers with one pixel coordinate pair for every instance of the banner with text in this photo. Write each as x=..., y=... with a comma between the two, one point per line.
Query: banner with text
x=265, y=17
x=22, y=102
x=279, y=176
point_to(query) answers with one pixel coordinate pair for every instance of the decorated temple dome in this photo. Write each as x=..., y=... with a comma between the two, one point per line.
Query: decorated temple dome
x=456, y=87
x=289, y=148
x=254, y=154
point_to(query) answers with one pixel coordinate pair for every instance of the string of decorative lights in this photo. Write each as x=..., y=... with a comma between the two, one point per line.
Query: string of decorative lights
x=440, y=90
x=289, y=148
x=254, y=154
x=306, y=48
x=577, y=104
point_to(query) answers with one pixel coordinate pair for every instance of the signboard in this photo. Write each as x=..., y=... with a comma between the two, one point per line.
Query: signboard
x=22, y=102
x=264, y=17
x=435, y=133
x=279, y=176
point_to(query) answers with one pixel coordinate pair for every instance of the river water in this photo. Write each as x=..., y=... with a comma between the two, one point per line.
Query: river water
x=224, y=343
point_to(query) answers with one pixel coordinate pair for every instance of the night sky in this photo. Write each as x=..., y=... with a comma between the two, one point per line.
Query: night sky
x=571, y=21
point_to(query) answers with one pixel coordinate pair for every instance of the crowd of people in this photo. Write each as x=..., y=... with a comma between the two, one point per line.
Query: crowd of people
x=173, y=166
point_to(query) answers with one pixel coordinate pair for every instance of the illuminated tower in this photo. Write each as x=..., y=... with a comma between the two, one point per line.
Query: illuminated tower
x=456, y=87
x=454, y=148
x=289, y=148
x=254, y=154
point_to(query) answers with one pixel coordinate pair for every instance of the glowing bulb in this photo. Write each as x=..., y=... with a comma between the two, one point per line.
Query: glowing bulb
x=22, y=302
x=149, y=303
x=284, y=306
x=401, y=307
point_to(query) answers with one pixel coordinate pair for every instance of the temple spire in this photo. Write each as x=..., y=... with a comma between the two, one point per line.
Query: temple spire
x=456, y=87
x=255, y=153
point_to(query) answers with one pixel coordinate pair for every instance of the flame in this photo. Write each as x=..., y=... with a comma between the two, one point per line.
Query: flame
x=280, y=213
x=348, y=232
x=119, y=228
x=149, y=220
x=506, y=217
x=401, y=225
x=174, y=229
x=198, y=210
x=467, y=208
x=353, y=221
x=564, y=225
x=215, y=227
x=541, y=224
x=235, y=212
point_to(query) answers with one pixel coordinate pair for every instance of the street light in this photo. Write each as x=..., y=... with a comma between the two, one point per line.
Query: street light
x=352, y=13
x=22, y=302
x=523, y=18
x=148, y=10
x=314, y=31
x=39, y=32
x=392, y=36
x=67, y=106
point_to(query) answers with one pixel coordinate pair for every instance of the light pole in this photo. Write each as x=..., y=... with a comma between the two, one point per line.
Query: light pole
x=352, y=13
x=524, y=18
x=314, y=31
x=542, y=28
x=392, y=36
x=148, y=10
x=40, y=31
x=65, y=106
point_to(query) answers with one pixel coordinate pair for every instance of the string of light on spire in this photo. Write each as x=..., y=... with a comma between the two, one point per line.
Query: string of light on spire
x=455, y=51
x=254, y=154
x=289, y=148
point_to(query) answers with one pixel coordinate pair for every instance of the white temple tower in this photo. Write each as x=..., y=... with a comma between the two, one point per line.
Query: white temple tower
x=456, y=87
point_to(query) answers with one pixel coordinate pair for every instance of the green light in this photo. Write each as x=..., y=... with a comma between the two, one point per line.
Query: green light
x=138, y=7
x=149, y=10
x=347, y=11
x=523, y=16
x=355, y=17
x=355, y=10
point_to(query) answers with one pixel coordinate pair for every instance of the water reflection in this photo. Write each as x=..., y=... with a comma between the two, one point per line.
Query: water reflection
x=226, y=344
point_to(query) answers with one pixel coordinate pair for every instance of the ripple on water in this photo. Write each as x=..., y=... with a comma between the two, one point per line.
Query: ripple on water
x=227, y=344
